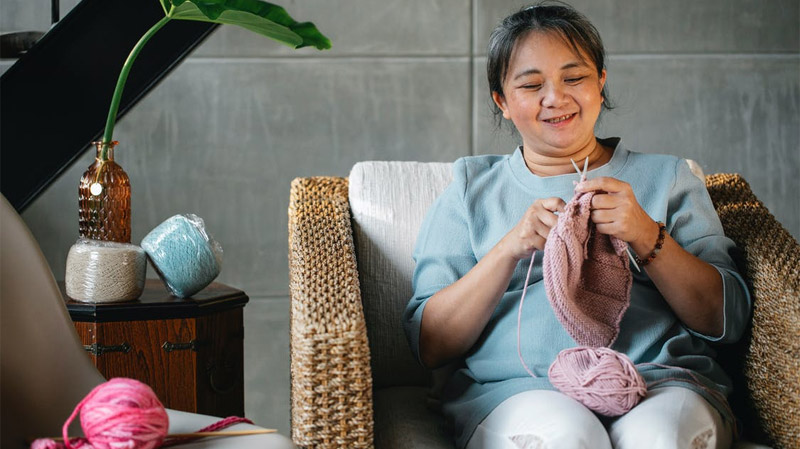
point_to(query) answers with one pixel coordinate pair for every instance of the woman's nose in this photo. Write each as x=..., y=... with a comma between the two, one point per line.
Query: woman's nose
x=553, y=96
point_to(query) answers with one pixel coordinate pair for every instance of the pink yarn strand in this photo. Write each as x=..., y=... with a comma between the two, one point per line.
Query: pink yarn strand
x=519, y=315
x=80, y=442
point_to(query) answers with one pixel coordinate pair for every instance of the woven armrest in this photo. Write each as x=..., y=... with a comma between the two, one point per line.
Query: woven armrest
x=330, y=364
x=771, y=365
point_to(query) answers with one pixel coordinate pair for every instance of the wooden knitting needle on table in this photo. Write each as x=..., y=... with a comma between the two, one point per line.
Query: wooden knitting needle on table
x=220, y=433
x=583, y=176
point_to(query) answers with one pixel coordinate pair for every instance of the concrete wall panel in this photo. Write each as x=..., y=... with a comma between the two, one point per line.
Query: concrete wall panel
x=362, y=27
x=680, y=26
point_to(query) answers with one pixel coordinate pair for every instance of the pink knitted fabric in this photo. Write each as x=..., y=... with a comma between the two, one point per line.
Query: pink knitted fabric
x=586, y=276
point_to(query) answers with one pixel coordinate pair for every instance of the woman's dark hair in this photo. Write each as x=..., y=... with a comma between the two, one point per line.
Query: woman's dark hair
x=547, y=16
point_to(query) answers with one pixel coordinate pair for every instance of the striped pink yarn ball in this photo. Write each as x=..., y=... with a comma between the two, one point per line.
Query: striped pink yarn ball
x=602, y=379
x=121, y=413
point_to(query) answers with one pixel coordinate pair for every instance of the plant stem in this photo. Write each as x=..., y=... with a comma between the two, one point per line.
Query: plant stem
x=123, y=78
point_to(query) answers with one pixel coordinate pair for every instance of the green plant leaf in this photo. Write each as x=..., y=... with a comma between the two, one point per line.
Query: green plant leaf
x=258, y=16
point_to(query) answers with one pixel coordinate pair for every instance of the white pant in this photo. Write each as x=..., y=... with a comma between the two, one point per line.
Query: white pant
x=668, y=418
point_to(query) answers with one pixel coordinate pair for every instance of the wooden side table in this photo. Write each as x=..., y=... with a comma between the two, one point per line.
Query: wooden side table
x=190, y=351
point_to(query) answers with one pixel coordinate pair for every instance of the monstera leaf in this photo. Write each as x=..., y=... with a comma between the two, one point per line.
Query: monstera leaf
x=257, y=16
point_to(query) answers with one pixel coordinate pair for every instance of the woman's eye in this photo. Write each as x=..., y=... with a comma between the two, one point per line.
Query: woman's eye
x=532, y=86
x=575, y=80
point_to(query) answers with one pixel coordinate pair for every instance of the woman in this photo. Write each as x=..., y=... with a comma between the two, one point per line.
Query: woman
x=547, y=76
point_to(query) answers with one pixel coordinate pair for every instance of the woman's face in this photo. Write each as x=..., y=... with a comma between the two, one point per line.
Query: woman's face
x=552, y=95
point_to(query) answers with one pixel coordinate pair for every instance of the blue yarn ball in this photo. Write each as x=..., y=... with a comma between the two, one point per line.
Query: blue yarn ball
x=185, y=256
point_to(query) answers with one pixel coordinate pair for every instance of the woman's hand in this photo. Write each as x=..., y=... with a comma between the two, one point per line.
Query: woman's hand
x=698, y=299
x=456, y=315
x=616, y=212
x=532, y=229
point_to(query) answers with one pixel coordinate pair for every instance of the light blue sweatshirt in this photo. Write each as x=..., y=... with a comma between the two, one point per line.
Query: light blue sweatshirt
x=487, y=197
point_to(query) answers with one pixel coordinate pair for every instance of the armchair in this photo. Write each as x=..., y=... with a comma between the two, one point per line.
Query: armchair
x=44, y=370
x=354, y=380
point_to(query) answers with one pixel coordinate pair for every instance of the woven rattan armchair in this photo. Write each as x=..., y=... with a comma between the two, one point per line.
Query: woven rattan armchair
x=354, y=383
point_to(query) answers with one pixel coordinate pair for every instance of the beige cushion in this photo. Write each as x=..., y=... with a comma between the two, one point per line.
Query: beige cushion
x=388, y=201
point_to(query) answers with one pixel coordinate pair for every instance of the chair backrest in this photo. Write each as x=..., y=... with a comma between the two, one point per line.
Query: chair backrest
x=44, y=371
x=388, y=201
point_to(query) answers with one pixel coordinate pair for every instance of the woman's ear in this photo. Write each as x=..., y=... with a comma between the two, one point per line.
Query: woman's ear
x=500, y=101
x=602, y=79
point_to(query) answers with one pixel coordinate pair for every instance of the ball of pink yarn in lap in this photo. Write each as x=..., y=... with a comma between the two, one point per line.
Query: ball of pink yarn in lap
x=121, y=413
x=602, y=379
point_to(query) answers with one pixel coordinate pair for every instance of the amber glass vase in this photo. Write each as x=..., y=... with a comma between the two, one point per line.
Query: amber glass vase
x=104, y=198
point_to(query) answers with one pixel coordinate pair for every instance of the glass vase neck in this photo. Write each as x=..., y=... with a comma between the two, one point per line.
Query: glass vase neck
x=105, y=150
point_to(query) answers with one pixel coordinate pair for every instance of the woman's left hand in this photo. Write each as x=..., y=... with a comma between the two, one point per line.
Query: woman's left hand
x=616, y=212
x=698, y=300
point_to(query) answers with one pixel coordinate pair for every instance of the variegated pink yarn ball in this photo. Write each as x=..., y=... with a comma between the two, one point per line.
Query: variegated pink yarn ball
x=602, y=379
x=121, y=413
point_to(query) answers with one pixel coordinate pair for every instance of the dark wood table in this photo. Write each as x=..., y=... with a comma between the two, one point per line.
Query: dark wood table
x=190, y=351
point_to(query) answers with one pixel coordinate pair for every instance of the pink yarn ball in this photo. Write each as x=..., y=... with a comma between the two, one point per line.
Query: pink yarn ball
x=45, y=443
x=602, y=379
x=121, y=413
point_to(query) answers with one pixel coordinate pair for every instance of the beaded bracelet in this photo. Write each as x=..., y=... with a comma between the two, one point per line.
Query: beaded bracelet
x=659, y=243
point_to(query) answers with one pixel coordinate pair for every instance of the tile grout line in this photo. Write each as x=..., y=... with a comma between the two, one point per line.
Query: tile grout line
x=471, y=56
x=471, y=77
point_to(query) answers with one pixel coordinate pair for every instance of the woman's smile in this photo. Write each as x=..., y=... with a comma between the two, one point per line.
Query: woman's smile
x=561, y=120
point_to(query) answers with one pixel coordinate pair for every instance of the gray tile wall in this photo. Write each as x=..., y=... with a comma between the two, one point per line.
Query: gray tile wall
x=222, y=137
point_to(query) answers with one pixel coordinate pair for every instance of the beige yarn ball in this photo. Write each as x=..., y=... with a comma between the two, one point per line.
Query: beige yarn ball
x=105, y=272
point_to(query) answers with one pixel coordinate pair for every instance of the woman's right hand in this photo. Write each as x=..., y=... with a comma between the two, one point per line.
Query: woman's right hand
x=531, y=231
x=456, y=315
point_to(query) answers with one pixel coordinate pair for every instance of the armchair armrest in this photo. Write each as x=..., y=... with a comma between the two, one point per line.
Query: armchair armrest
x=771, y=365
x=330, y=362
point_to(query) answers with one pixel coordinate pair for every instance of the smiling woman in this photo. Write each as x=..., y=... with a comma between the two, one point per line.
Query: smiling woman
x=547, y=76
x=553, y=95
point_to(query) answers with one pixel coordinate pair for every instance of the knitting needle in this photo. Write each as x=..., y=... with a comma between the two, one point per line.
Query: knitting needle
x=633, y=261
x=585, y=166
x=582, y=175
x=222, y=433
x=576, y=167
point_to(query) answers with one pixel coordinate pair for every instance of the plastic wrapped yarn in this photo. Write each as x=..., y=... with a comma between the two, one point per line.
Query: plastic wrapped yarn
x=184, y=254
x=102, y=271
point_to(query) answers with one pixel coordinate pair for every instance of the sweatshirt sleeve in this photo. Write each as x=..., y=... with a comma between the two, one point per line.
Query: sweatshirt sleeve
x=694, y=224
x=443, y=252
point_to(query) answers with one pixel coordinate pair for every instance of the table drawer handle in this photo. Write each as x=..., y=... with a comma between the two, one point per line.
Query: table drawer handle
x=169, y=346
x=97, y=350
